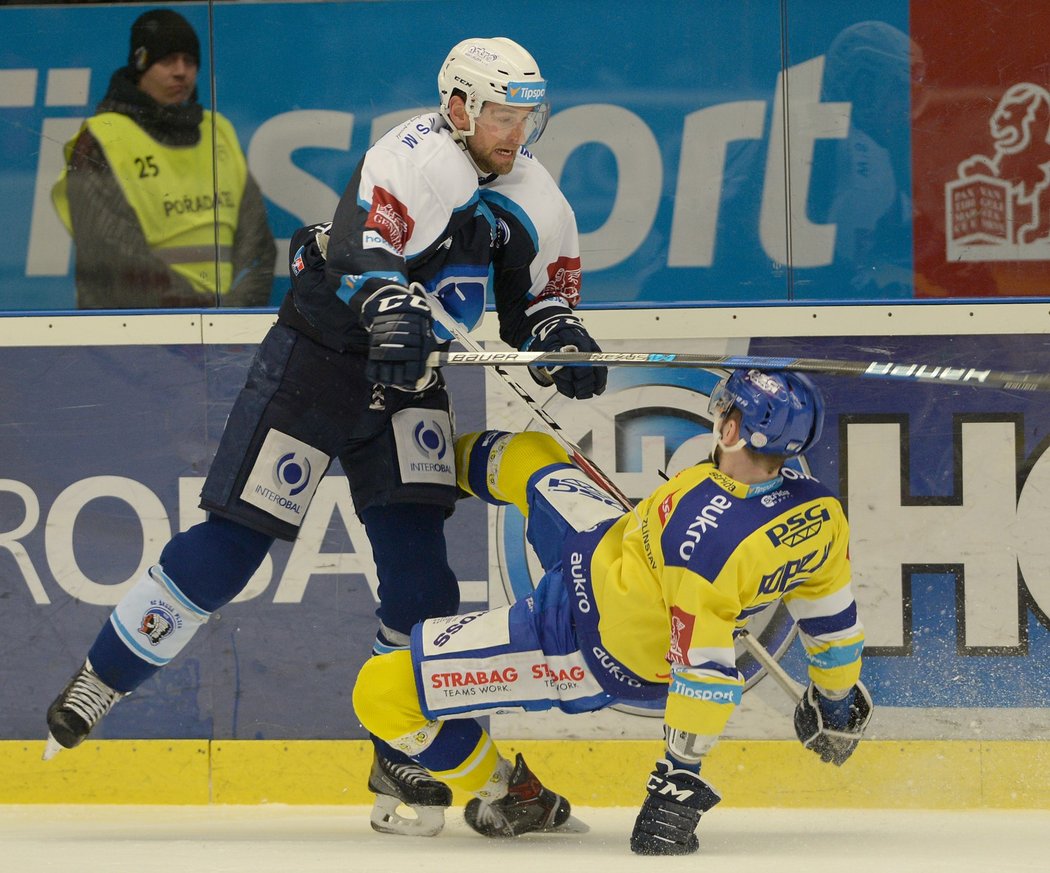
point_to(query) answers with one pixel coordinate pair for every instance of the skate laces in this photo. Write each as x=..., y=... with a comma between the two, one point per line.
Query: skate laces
x=90, y=697
x=413, y=774
x=490, y=814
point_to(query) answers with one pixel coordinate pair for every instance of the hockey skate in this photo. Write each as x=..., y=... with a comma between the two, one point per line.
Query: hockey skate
x=526, y=807
x=408, y=785
x=77, y=710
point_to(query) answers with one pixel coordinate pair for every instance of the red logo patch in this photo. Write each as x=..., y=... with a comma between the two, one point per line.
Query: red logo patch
x=390, y=218
x=563, y=280
x=681, y=634
x=665, y=508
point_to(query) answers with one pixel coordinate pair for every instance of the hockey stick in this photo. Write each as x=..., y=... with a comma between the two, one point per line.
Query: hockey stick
x=941, y=374
x=757, y=650
x=513, y=386
x=771, y=665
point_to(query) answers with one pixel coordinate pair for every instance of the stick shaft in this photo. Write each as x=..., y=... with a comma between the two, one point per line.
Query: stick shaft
x=935, y=373
x=510, y=384
x=578, y=457
x=772, y=667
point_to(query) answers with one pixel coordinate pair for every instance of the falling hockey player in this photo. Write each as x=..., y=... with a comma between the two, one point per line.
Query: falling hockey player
x=638, y=605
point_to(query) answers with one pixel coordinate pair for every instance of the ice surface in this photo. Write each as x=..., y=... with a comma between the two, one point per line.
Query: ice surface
x=329, y=839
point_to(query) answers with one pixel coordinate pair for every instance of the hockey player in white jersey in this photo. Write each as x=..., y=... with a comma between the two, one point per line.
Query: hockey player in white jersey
x=448, y=207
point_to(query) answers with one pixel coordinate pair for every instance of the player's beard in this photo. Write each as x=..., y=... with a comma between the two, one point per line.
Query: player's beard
x=493, y=162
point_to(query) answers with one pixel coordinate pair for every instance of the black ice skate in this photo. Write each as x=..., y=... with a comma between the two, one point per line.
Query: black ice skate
x=77, y=710
x=526, y=807
x=410, y=785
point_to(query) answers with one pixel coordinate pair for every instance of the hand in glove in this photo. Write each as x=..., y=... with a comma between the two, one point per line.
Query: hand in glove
x=667, y=822
x=832, y=728
x=400, y=337
x=308, y=249
x=566, y=333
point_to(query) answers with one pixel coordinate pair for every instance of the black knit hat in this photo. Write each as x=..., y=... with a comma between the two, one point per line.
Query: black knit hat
x=158, y=33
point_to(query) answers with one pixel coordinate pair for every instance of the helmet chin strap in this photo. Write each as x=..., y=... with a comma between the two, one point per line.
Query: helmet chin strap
x=460, y=137
x=738, y=446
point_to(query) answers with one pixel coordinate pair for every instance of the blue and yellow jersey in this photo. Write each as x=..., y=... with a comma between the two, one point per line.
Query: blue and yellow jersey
x=674, y=580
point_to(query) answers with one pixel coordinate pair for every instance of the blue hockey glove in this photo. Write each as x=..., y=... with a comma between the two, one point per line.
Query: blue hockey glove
x=566, y=333
x=400, y=337
x=667, y=822
x=832, y=728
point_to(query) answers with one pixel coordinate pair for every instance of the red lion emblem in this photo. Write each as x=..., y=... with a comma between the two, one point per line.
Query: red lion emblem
x=681, y=635
x=563, y=280
x=389, y=216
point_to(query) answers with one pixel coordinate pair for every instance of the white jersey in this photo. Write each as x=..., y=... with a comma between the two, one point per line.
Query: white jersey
x=415, y=211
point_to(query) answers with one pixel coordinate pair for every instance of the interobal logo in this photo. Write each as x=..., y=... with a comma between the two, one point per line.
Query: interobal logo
x=998, y=207
x=292, y=472
x=430, y=440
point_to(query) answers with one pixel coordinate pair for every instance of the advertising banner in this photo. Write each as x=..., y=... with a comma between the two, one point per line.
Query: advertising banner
x=714, y=152
x=981, y=150
x=946, y=486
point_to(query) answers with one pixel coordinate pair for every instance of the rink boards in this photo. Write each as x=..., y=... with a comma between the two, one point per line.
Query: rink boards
x=946, y=489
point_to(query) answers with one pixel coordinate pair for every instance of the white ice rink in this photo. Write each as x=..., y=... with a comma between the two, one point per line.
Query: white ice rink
x=301, y=839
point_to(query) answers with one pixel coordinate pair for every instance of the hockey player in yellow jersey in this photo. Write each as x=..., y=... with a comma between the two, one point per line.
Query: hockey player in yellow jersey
x=640, y=605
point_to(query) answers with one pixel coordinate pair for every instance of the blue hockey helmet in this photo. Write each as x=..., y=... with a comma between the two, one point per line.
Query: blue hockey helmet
x=781, y=413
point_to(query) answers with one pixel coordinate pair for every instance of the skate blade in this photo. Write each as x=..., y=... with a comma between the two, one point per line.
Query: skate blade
x=571, y=825
x=428, y=821
x=52, y=748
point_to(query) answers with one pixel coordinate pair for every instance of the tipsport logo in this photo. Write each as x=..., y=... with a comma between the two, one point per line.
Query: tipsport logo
x=526, y=92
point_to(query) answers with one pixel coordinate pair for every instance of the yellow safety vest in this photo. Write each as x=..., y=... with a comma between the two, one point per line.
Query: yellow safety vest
x=173, y=192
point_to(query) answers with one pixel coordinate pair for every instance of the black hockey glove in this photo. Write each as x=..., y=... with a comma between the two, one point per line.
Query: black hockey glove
x=307, y=251
x=832, y=728
x=400, y=337
x=566, y=333
x=667, y=822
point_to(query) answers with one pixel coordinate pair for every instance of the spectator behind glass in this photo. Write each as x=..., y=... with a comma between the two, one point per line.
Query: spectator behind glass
x=137, y=191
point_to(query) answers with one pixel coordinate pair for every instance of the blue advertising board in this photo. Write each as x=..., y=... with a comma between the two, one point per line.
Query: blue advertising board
x=947, y=489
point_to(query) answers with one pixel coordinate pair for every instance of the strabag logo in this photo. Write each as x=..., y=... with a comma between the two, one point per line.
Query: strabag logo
x=998, y=207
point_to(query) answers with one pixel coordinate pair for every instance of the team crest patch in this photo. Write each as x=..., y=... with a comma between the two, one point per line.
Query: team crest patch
x=563, y=280
x=390, y=219
x=681, y=633
x=157, y=623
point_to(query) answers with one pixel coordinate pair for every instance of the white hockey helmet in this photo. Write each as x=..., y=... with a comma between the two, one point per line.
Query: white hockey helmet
x=497, y=70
